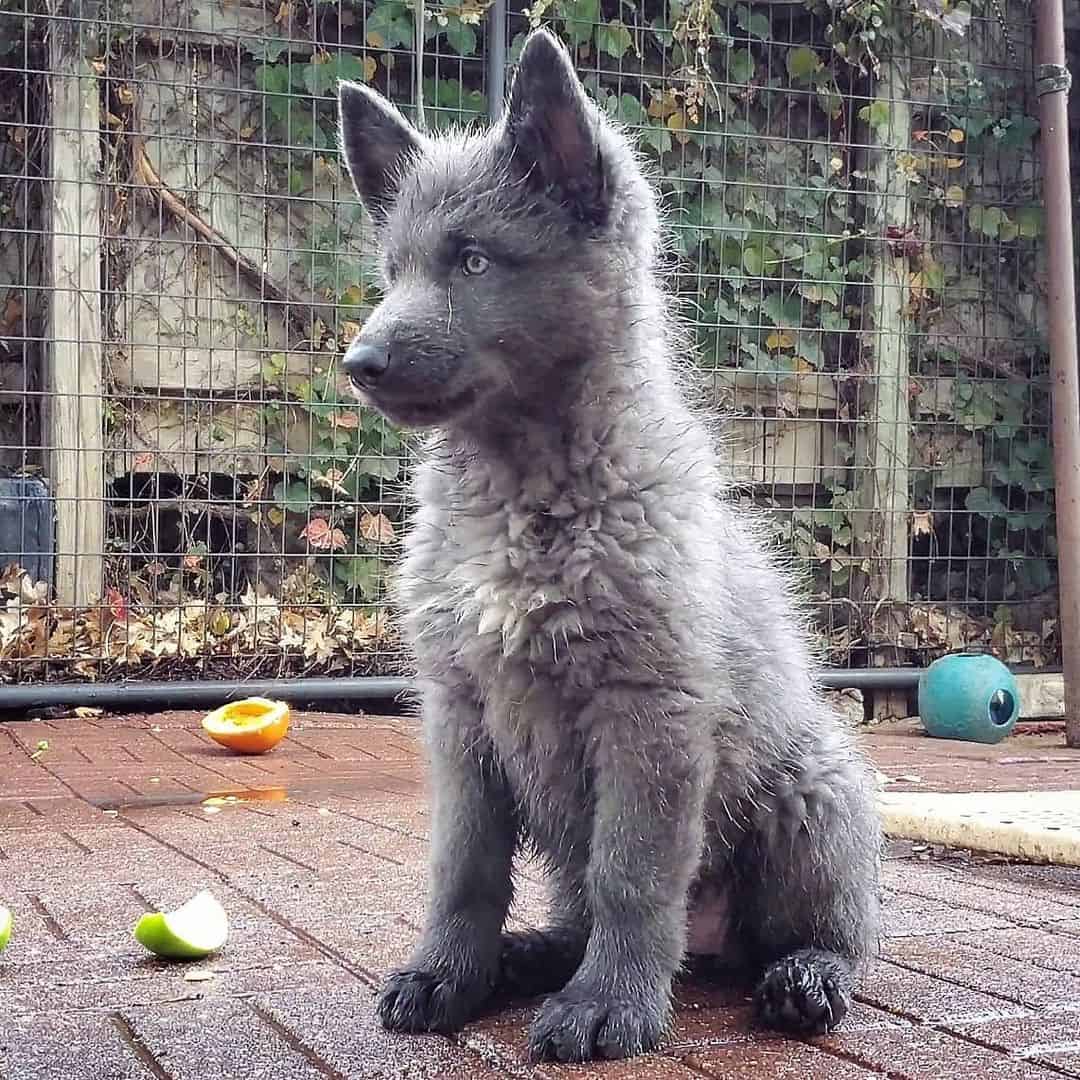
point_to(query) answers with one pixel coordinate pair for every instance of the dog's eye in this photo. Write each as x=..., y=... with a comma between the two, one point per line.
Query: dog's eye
x=474, y=262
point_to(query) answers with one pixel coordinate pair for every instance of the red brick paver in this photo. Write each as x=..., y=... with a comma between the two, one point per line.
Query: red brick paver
x=319, y=859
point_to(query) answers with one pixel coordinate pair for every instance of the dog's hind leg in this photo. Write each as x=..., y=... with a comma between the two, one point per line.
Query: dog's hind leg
x=807, y=879
x=542, y=961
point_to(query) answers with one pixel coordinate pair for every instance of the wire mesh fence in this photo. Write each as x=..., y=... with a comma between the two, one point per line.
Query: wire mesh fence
x=188, y=487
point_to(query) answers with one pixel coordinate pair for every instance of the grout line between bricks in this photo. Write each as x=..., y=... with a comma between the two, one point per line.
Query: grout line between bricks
x=376, y=824
x=943, y=1026
x=84, y=848
x=960, y=906
x=1010, y=1056
x=1015, y=1002
x=48, y=918
x=374, y=854
x=288, y=858
x=138, y=1047
x=1027, y=961
x=298, y=740
x=295, y=1043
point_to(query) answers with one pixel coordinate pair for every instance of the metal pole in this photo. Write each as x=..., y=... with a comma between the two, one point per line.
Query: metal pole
x=383, y=693
x=1052, y=84
x=496, y=59
x=148, y=696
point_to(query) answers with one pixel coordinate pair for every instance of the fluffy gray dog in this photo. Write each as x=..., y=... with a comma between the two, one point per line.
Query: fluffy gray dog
x=613, y=671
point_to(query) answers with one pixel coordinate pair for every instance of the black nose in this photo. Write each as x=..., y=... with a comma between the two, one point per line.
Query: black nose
x=365, y=363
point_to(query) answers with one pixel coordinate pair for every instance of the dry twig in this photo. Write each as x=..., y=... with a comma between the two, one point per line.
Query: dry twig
x=269, y=289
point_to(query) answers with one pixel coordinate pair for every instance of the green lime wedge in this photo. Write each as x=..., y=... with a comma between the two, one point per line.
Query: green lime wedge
x=191, y=932
x=6, y=922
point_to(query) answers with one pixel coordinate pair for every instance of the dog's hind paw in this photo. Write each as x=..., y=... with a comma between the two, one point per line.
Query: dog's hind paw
x=806, y=993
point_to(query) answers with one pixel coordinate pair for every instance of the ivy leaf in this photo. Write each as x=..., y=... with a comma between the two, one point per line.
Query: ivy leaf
x=1014, y=132
x=985, y=503
x=803, y=63
x=321, y=536
x=377, y=528
x=658, y=137
x=614, y=39
x=1029, y=221
x=753, y=261
x=383, y=467
x=361, y=573
x=987, y=220
x=954, y=196
x=779, y=339
x=292, y=497
x=808, y=348
x=389, y=25
x=755, y=25
x=782, y=312
x=579, y=18
x=741, y=65
x=269, y=50
x=725, y=311
x=830, y=102
x=322, y=75
x=933, y=274
x=272, y=78
x=817, y=293
x=627, y=109
x=460, y=36
x=878, y=115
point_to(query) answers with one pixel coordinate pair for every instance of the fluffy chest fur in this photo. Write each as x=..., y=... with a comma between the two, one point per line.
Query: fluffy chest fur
x=536, y=585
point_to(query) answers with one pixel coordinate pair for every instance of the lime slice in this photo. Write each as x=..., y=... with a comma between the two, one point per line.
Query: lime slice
x=5, y=927
x=191, y=932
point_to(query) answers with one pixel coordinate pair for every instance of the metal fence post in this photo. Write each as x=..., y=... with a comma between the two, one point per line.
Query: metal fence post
x=496, y=59
x=1052, y=80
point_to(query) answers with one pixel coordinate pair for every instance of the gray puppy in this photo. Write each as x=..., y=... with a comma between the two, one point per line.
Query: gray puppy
x=613, y=671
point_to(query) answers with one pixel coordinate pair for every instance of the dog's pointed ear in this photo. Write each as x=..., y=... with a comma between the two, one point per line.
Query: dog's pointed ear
x=552, y=129
x=377, y=143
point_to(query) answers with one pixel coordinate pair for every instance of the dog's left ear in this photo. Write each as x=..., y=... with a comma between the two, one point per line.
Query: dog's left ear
x=552, y=130
x=378, y=144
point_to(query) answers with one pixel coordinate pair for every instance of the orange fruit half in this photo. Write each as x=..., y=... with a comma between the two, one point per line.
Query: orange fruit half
x=251, y=726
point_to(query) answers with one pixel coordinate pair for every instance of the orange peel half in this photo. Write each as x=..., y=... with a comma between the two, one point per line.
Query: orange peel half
x=251, y=726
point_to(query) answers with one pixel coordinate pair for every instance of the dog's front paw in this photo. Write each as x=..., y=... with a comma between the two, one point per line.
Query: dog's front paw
x=804, y=994
x=425, y=1001
x=575, y=1027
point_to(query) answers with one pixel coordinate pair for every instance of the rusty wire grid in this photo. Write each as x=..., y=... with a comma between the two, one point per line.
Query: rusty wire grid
x=188, y=488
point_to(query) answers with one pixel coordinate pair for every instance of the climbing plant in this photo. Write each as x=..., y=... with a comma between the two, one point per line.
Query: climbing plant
x=772, y=144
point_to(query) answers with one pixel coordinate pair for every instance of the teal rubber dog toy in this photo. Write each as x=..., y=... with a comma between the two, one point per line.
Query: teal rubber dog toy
x=968, y=696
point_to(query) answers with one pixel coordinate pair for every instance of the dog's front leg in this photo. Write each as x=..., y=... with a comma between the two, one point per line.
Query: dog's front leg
x=651, y=768
x=455, y=964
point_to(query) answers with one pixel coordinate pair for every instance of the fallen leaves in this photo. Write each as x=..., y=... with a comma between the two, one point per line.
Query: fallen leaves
x=130, y=632
x=942, y=630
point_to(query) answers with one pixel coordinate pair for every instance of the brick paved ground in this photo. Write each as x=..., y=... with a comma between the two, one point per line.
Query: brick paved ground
x=323, y=881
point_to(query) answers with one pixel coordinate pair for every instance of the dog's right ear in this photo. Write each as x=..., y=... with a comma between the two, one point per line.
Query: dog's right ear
x=377, y=142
